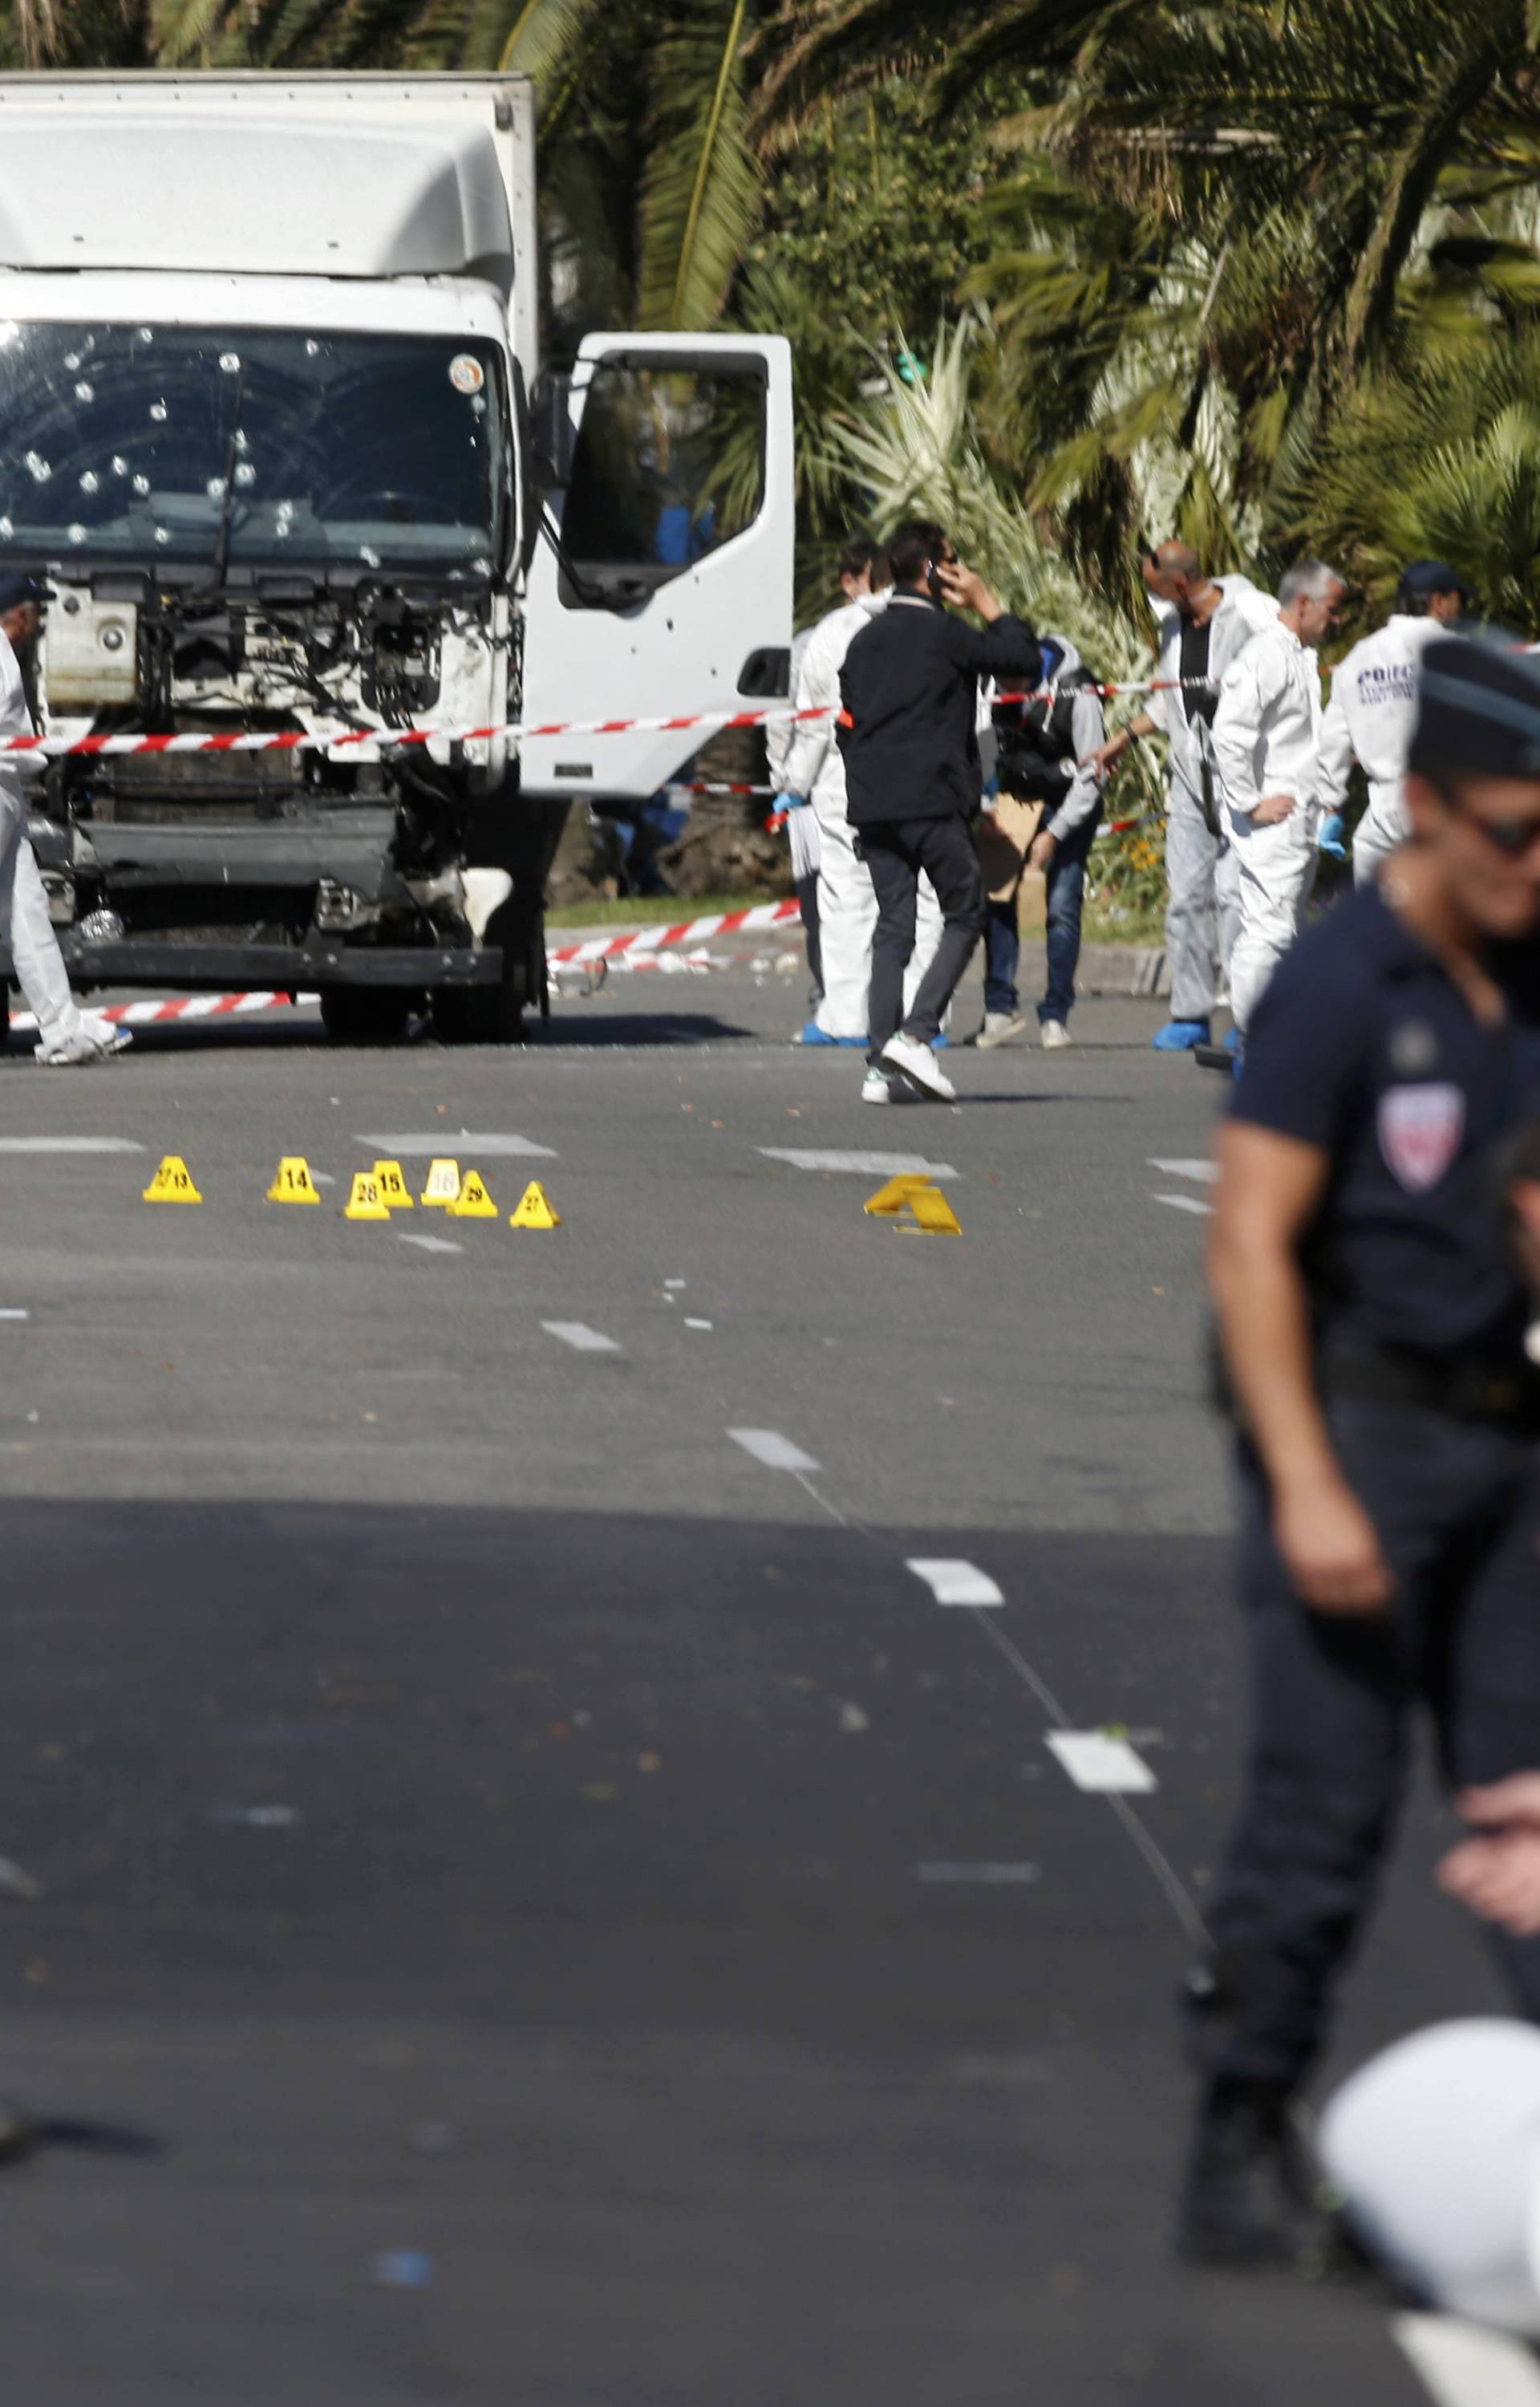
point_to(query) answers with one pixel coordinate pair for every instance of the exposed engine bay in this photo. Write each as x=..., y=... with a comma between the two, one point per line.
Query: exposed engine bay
x=264, y=848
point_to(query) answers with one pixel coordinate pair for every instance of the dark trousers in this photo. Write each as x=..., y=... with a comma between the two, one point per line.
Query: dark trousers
x=1457, y=1506
x=807, y=902
x=1065, y=896
x=895, y=851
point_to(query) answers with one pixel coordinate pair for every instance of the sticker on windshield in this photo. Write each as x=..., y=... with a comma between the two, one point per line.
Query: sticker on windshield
x=466, y=373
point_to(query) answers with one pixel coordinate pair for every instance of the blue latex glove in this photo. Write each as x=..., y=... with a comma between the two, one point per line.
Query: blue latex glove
x=791, y=801
x=1330, y=839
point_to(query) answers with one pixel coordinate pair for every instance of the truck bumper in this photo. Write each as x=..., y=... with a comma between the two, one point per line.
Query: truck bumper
x=200, y=968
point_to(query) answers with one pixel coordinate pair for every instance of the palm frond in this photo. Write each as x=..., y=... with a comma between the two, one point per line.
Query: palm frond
x=701, y=192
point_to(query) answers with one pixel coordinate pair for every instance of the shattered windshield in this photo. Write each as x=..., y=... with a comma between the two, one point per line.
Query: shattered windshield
x=182, y=443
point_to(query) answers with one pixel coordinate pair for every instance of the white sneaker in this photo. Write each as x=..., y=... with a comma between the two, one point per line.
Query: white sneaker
x=875, y=1087
x=917, y=1064
x=1055, y=1036
x=93, y=1045
x=999, y=1027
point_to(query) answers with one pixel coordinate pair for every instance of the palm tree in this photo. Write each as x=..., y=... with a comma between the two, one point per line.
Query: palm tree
x=654, y=100
x=1224, y=215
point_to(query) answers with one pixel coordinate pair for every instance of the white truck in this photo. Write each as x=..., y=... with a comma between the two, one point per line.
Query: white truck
x=274, y=429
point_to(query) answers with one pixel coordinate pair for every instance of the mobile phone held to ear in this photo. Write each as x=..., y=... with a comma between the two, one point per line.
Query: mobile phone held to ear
x=932, y=581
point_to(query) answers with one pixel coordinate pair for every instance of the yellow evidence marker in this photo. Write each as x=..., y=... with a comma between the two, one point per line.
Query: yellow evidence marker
x=172, y=1183
x=933, y=1214
x=365, y=1202
x=917, y=1205
x=533, y=1209
x=393, y=1187
x=472, y=1203
x=443, y=1185
x=292, y=1182
x=893, y=1198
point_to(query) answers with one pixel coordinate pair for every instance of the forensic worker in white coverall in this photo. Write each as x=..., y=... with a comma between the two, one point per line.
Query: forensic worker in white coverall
x=814, y=767
x=1267, y=749
x=1205, y=621
x=68, y=1039
x=1373, y=709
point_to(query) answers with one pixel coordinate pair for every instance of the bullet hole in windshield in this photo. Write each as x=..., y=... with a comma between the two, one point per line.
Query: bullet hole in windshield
x=84, y=392
x=37, y=468
x=157, y=412
x=229, y=361
x=245, y=472
x=216, y=489
x=77, y=533
x=162, y=534
x=119, y=465
x=90, y=481
x=141, y=485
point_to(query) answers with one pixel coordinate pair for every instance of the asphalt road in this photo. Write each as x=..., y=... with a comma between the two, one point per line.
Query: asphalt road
x=536, y=1900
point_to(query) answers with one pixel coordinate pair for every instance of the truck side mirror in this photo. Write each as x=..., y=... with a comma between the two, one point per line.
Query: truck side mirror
x=553, y=440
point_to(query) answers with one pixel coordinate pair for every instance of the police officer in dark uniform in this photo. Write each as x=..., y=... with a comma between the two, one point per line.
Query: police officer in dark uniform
x=1373, y=1322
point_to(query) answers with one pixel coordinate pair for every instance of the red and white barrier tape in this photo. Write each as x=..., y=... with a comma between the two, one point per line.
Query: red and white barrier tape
x=300, y=739
x=178, y=1006
x=642, y=941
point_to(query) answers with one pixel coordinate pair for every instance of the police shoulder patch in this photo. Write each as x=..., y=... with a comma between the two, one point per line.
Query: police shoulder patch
x=1420, y=1132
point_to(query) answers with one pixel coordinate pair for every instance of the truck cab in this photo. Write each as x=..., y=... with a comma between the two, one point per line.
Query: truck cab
x=324, y=538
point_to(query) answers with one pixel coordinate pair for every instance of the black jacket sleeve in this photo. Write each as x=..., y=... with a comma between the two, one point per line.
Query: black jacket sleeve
x=1008, y=649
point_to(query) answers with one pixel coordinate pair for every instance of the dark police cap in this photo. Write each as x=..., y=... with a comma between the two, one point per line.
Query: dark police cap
x=18, y=585
x=1423, y=578
x=1477, y=708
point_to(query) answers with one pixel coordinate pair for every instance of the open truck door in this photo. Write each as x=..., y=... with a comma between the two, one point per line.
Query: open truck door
x=661, y=582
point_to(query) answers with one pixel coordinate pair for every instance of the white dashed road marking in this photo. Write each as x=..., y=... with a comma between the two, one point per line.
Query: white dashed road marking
x=447, y=1140
x=428, y=1244
x=14, y=1312
x=869, y=1165
x=577, y=1335
x=1184, y=1203
x=696, y=1324
x=777, y=1453
x=1205, y=1171
x=953, y=1582
x=1097, y=1760
x=68, y=1145
x=1463, y=2366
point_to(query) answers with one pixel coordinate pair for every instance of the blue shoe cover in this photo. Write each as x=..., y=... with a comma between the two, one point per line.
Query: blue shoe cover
x=1234, y=1041
x=1181, y=1035
x=814, y=1034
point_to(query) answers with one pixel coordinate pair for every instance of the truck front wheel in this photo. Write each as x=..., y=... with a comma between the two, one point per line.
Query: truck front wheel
x=494, y=1015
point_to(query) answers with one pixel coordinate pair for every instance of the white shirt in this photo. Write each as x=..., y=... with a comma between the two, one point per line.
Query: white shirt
x=1244, y=612
x=1267, y=726
x=1373, y=712
x=815, y=764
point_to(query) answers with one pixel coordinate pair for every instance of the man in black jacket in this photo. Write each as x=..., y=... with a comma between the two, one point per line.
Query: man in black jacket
x=908, y=734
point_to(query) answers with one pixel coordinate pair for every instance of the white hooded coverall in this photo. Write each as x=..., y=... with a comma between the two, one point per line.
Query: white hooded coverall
x=1370, y=718
x=847, y=905
x=34, y=949
x=779, y=735
x=1266, y=741
x=1202, y=909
